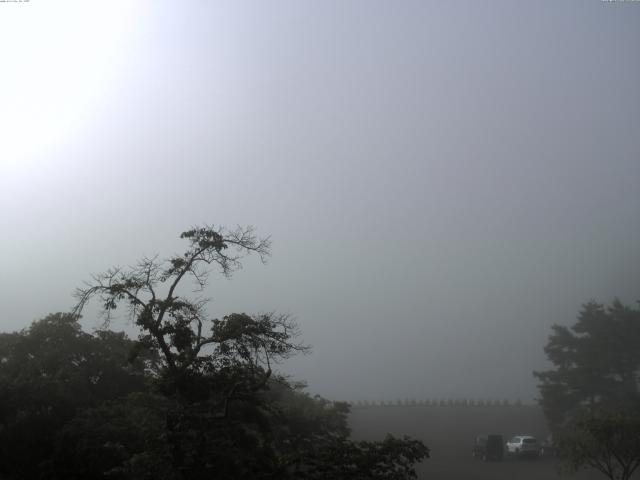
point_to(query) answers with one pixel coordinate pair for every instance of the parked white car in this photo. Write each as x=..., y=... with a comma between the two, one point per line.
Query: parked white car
x=521, y=445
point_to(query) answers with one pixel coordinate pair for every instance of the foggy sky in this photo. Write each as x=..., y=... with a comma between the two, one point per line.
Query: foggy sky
x=442, y=181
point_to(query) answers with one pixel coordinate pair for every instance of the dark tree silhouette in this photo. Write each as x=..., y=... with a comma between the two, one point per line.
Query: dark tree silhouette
x=48, y=374
x=606, y=440
x=591, y=398
x=215, y=407
x=242, y=348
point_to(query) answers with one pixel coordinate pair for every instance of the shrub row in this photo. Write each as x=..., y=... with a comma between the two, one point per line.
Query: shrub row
x=437, y=403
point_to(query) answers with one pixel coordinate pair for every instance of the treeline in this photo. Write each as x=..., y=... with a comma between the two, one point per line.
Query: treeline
x=192, y=397
x=75, y=405
x=435, y=402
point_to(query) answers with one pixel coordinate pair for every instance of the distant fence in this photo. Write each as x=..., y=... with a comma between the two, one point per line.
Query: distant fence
x=436, y=402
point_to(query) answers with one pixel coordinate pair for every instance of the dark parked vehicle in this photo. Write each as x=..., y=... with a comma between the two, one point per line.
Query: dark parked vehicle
x=488, y=447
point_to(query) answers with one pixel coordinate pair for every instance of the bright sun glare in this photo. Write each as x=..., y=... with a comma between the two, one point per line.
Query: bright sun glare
x=58, y=59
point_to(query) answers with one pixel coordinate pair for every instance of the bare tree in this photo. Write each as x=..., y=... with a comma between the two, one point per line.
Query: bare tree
x=239, y=347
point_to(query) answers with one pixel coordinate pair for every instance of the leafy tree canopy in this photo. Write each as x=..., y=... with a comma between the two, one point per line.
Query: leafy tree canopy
x=596, y=362
x=48, y=373
x=606, y=440
x=193, y=397
x=591, y=397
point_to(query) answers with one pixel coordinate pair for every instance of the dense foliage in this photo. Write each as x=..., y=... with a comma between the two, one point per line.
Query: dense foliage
x=591, y=397
x=50, y=372
x=606, y=440
x=192, y=398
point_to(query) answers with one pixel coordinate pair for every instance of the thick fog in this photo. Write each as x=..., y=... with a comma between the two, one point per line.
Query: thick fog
x=442, y=181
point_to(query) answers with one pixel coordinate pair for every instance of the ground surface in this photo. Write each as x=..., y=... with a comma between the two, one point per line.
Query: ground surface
x=449, y=433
